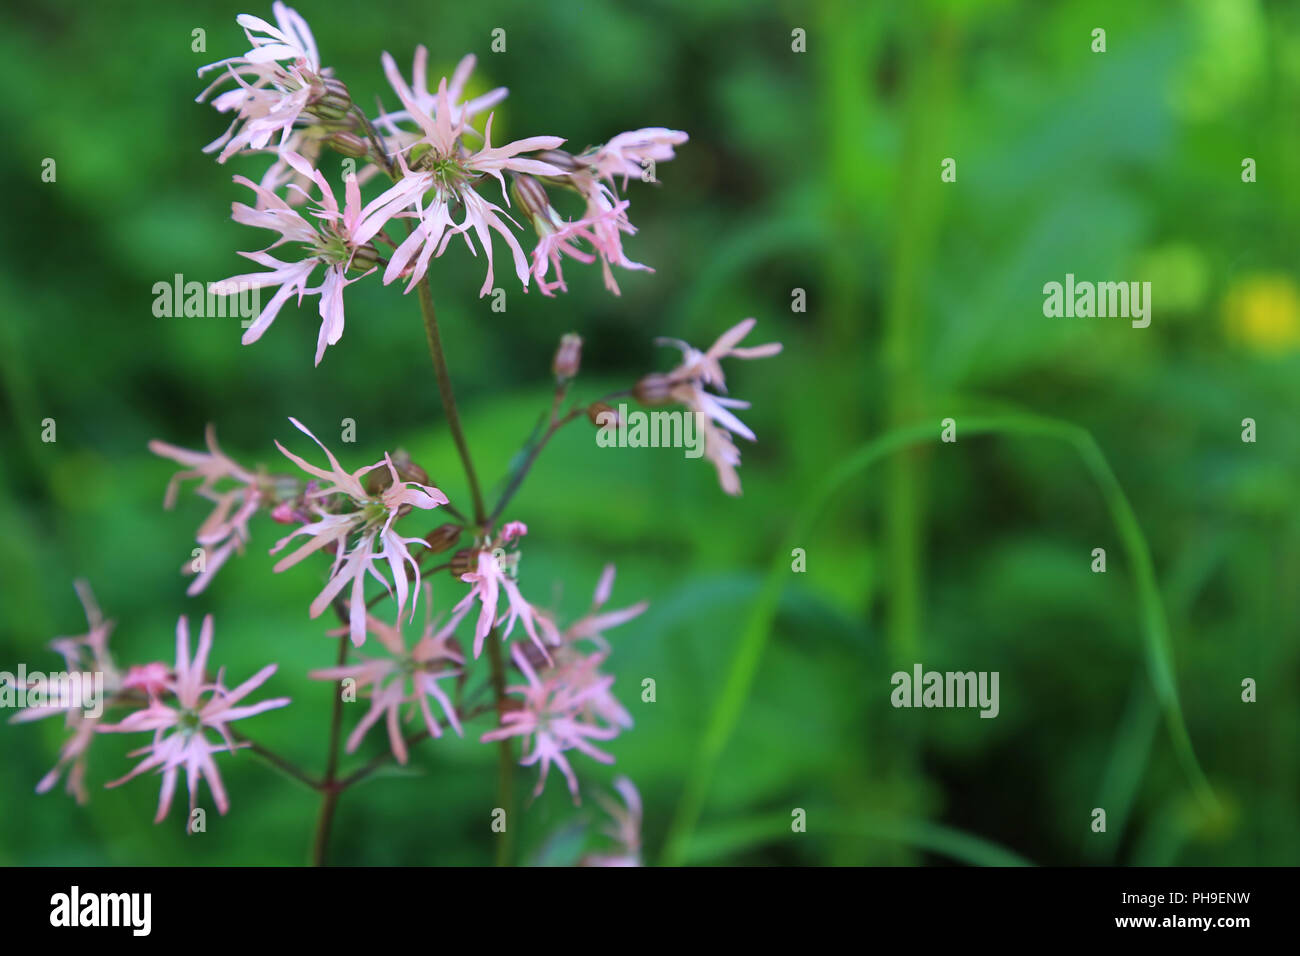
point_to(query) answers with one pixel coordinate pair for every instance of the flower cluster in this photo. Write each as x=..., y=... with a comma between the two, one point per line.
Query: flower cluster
x=436, y=151
x=84, y=655
x=439, y=163
x=405, y=677
x=356, y=525
x=177, y=705
x=181, y=711
x=689, y=383
x=236, y=493
x=567, y=701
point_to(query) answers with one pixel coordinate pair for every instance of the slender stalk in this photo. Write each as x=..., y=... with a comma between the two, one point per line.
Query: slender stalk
x=378, y=761
x=329, y=803
x=505, y=753
x=324, y=822
x=533, y=452
x=505, y=788
x=448, y=396
x=287, y=767
x=555, y=425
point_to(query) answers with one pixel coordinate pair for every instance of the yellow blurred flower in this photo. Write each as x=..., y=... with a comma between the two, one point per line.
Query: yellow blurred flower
x=1262, y=312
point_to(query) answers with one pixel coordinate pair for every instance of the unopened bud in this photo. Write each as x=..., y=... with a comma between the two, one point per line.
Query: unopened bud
x=464, y=561
x=421, y=156
x=654, y=389
x=560, y=158
x=603, y=415
x=379, y=480
x=532, y=199
x=568, y=357
x=533, y=654
x=349, y=144
x=364, y=259
x=408, y=470
x=442, y=537
x=333, y=102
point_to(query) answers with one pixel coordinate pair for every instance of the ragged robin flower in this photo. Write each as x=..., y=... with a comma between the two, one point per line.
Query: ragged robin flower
x=358, y=529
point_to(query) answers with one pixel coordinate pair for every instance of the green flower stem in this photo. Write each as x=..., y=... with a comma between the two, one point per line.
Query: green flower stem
x=505, y=786
x=449, y=397
x=329, y=788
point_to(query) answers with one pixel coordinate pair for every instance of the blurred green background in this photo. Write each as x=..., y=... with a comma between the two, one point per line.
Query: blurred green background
x=816, y=171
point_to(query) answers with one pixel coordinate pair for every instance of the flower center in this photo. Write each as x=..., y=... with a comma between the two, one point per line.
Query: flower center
x=374, y=512
x=448, y=171
x=330, y=247
x=190, y=721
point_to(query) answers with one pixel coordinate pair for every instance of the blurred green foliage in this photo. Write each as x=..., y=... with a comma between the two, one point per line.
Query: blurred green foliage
x=816, y=171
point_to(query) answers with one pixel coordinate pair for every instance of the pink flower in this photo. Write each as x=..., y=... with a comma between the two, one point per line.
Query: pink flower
x=280, y=175
x=84, y=656
x=268, y=97
x=408, y=677
x=688, y=384
x=418, y=93
x=489, y=580
x=599, y=229
x=704, y=367
x=553, y=718
x=605, y=220
x=591, y=626
x=225, y=530
x=581, y=674
x=340, y=243
x=579, y=671
x=370, y=519
x=597, y=234
x=179, y=739
x=152, y=678
x=628, y=154
x=437, y=162
x=211, y=466
x=625, y=829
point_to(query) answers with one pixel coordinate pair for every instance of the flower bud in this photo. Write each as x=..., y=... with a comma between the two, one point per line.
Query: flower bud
x=333, y=102
x=420, y=156
x=603, y=415
x=364, y=259
x=464, y=561
x=407, y=470
x=654, y=389
x=568, y=357
x=560, y=158
x=379, y=480
x=349, y=144
x=533, y=200
x=533, y=654
x=442, y=537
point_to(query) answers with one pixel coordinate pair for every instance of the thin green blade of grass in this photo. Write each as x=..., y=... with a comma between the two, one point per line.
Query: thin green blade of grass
x=753, y=641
